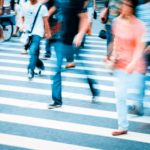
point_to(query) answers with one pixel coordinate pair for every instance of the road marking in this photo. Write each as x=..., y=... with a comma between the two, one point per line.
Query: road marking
x=37, y=144
x=71, y=109
x=73, y=127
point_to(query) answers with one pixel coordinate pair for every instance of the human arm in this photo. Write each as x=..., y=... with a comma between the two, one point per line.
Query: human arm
x=83, y=26
x=21, y=24
x=51, y=11
x=47, y=33
x=1, y=5
x=137, y=54
x=94, y=4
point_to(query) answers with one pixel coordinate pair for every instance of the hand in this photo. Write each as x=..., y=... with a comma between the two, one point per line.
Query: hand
x=1, y=12
x=48, y=35
x=94, y=7
x=78, y=39
x=21, y=28
x=130, y=68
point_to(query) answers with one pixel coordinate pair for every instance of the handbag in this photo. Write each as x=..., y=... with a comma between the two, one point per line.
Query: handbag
x=95, y=14
x=25, y=37
x=104, y=15
x=102, y=34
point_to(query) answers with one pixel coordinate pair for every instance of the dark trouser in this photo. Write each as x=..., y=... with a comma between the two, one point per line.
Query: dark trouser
x=34, y=54
x=147, y=56
x=109, y=36
x=62, y=50
x=48, y=48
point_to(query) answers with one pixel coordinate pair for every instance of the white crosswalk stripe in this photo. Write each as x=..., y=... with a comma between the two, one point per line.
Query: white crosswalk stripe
x=78, y=124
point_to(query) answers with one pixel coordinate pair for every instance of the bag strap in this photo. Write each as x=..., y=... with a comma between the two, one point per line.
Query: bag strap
x=36, y=18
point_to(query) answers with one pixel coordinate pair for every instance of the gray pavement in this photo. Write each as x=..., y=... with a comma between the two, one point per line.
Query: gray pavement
x=26, y=123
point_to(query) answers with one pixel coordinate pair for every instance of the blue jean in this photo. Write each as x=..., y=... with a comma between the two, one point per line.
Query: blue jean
x=34, y=54
x=124, y=82
x=109, y=36
x=62, y=50
x=48, y=48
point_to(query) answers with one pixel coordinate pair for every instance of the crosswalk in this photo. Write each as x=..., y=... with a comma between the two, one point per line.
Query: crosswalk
x=26, y=123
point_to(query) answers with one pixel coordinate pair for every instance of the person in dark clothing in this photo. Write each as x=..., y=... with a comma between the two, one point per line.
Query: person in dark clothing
x=71, y=23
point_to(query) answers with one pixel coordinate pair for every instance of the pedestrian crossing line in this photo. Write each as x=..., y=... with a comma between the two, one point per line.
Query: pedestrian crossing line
x=43, y=51
x=71, y=109
x=37, y=144
x=48, y=92
x=89, y=45
x=53, y=65
x=77, y=67
x=73, y=127
x=28, y=56
x=43, y=42
x=66, y=74
x=14, y=69
x=64, y=83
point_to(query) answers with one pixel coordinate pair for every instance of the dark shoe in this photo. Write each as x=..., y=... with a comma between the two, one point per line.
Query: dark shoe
x=45, y=57
x=53, y=105
x=38, y=73
x=14, y=35
x=30, y=74
x=137, y=110
x=116, y=133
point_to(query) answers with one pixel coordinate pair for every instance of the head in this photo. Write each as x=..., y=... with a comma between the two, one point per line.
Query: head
x=128, y=7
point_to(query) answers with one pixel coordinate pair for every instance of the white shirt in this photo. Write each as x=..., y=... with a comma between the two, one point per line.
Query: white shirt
x=29, y=12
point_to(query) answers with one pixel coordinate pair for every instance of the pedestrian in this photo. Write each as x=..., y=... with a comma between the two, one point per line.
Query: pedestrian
x=72, y=23
x=1, y=13
x=91, y=8
x=41, y=28
x=114, y=11
x=130, y=65
x=143, y=13
x=18, y=6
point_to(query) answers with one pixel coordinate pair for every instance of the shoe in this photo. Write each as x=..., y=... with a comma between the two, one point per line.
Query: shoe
x=53, y=105
x=30, y=74
x=14, y=35
x=24, y=52
x=38, y=73
x=137, y=110
x=71, y=65
x=45, y=57
x=116, y=133
x=94, y=99
x=88, y=32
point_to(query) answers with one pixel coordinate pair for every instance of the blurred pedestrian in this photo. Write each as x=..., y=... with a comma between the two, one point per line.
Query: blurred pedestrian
x=29, y=11
x=18, y=6
x=114, y=11
x=130, y=65
x=91, y=8
x=1, y=13
x=143, y=13
x=71, y=21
